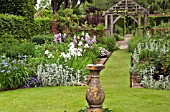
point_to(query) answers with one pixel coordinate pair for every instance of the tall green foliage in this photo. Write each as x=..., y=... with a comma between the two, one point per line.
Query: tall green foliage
x=104, y=4
x=19, y=27
x=18, y=7
x=155, y=6
x=13, y=25
x=25, y=8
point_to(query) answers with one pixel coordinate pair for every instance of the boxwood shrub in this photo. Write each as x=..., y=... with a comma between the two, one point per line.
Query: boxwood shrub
x=42, y=26
x=13, y=25
x=41, y=39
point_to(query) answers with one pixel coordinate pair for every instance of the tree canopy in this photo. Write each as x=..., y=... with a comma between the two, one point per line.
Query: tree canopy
x=153, y=6
x=57, y=4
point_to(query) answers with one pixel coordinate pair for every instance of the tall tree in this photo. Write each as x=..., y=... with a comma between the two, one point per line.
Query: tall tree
x=104, y=4
x=56, y=4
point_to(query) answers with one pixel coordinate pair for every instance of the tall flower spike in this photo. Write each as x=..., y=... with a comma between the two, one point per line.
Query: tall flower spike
x=87, y=38
x=75, y=41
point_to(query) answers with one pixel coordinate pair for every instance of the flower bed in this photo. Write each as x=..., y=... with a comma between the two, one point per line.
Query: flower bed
x=150, y=65
x=51, y=63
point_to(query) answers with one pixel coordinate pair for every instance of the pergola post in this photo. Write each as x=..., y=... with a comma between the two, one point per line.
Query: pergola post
x=106, y=21
x=111, y=27
x=145, y=19
x=139, y=19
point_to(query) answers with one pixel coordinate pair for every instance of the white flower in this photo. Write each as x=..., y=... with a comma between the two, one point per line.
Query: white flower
x=60, y=34
x=46, y=52
x=62, y=54
x=71, y=45
x=50, y=56
x=79, y=49
x=86, y=46
x=82, y=39
x=79, y=53
x=80, y=43
x=72, y=51
x=78, y=37
x=68, y=55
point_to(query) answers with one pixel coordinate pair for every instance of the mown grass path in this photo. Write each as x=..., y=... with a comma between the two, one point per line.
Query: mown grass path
x=120, y=97
x=114, y=81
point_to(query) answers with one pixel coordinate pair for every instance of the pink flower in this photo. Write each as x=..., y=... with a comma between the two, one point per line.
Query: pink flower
x=56, y=38
x=87, y=38
x=75, y=41
x=94, y=39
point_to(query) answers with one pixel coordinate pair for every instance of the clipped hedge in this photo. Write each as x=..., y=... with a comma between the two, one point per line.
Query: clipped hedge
x=41, y=39
x=24, y=8
x=19, y=27
x=156, y=20
x=42, y=26
x=13, y=25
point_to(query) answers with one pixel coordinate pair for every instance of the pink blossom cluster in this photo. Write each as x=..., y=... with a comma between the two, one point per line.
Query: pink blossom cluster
x=84, y=39
x=59, y=38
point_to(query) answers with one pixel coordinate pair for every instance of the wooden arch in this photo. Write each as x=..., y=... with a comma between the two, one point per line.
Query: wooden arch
x=125, y=8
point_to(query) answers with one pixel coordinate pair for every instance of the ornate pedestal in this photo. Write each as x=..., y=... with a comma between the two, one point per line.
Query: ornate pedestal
x=95, y=95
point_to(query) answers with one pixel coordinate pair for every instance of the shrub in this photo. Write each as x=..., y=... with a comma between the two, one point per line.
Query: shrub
x=119, y=33
x=41, y=26
x=134, y=42
x=150, y=60
x=13, y=49
x=109, y=41
x=15, y=26
x=41, y=39
x=24, y=8
x=43, y=13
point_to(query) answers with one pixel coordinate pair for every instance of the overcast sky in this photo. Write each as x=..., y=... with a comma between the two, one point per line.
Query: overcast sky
x=38, y=1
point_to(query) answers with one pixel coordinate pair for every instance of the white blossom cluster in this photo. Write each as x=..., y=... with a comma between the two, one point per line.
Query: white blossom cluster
x=49, y=55
x=72, y=52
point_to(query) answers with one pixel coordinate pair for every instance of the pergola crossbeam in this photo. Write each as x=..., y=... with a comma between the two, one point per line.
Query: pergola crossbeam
x=125, y=8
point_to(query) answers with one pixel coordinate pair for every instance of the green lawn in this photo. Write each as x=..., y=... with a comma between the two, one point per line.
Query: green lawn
x=115, y=82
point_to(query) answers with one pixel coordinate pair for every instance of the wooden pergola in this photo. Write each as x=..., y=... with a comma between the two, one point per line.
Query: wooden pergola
x=125, y=8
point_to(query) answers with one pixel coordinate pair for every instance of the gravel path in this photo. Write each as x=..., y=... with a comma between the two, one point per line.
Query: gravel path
x=124, y=44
